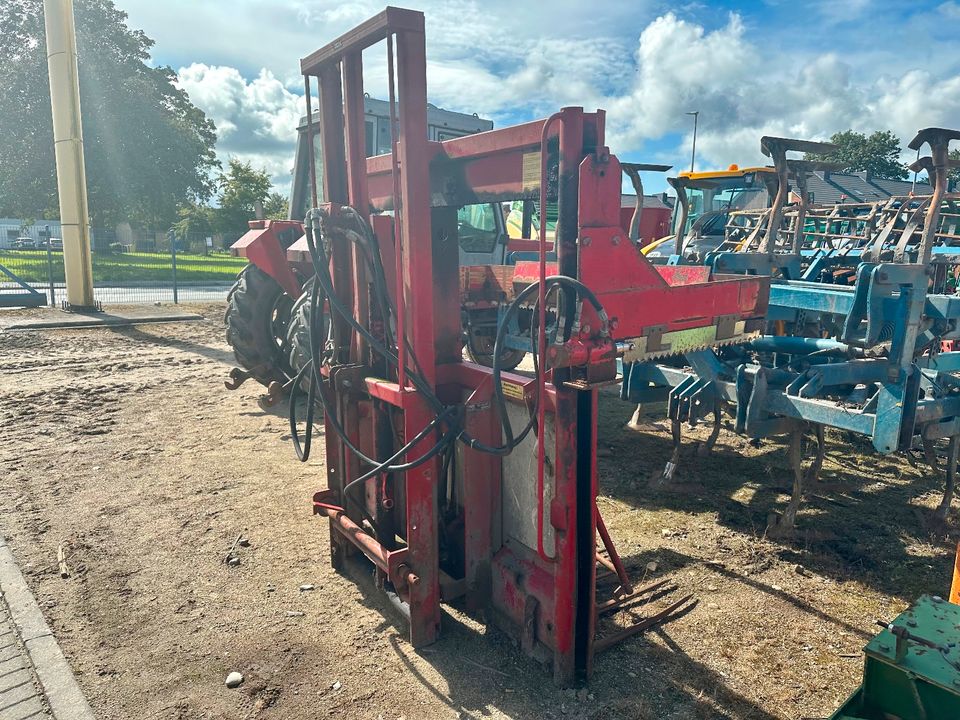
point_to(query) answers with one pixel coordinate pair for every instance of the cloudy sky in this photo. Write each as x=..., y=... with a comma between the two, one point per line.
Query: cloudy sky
x=801, y=69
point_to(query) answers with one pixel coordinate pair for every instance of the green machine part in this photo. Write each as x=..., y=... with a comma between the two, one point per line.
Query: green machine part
x=911, y=670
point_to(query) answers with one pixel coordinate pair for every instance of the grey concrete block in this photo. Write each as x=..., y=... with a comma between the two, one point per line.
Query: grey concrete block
x=30, y=708
x=14, y=679
x=59, y=685
x=56, y=680
x=24, y=610
x=12, y=665
x=14, y=697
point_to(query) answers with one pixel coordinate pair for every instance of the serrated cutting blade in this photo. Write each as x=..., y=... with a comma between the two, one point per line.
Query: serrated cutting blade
x=679, y=342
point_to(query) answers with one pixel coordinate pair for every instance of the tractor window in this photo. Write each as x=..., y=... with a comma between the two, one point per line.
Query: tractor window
x=477, y=228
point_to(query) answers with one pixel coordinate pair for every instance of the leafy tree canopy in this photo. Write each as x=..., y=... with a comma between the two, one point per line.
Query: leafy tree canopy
x=241, y=189
x=276, y=207
x=877, y=153
x=148, y=149
x=955, y=172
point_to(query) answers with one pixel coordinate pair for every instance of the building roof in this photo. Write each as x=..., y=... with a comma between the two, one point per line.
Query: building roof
x=828, y=188
x=660, y=200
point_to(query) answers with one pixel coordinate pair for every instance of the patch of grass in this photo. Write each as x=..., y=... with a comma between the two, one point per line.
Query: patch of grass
x=31, y=266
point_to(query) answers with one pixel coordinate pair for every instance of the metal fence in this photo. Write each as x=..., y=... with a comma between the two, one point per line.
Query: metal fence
x=147, y=270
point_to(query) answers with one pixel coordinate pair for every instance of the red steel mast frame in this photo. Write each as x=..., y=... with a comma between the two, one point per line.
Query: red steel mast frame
x=527, y=557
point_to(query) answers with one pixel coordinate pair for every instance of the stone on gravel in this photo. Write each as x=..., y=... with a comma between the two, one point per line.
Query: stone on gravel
x=306, y=587
x=234, y=679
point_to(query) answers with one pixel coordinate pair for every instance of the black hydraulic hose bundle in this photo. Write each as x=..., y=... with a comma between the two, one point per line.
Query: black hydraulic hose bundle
x=323, y=293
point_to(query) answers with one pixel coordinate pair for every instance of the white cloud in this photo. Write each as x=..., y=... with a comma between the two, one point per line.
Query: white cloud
x=679, y=68
x=950, y=9
x=743, y=93
x=256, y=120
x=512, y=62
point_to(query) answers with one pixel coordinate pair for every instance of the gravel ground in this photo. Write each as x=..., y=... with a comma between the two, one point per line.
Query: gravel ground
x=123, y=446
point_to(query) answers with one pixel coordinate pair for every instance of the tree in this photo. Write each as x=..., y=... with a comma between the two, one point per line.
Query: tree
x=877, y=153
x=276, y=207
x=196, y=219
x=148, y=149
x=241, y=188
x=954, y=173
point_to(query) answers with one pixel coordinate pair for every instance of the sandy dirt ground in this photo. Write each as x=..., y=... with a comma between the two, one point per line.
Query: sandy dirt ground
x=123, y=446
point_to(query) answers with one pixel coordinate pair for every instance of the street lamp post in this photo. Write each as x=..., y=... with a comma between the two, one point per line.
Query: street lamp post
x=693, y=153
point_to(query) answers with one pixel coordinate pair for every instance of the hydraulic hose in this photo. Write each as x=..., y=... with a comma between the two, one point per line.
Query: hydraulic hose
x=323, y=293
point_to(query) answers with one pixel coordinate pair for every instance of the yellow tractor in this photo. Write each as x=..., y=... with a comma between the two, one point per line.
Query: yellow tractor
x=704, y=203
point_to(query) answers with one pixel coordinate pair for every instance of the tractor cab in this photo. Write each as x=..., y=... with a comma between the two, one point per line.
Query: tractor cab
x=711, y=198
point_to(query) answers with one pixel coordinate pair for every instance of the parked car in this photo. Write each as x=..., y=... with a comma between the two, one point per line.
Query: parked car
x=24, y=243
x=53, y=243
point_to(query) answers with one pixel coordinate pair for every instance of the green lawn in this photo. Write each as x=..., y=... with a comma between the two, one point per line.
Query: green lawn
x=31, y=266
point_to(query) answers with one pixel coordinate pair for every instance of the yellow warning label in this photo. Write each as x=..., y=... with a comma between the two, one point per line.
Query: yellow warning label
x=531, y=170
x=512, y=391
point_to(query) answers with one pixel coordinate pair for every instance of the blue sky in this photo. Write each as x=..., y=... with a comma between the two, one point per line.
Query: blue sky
x=801, y=69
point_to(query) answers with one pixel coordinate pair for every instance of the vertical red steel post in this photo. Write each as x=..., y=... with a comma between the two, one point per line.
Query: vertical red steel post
x=330, y=93
x=397, y=214
x=312, y=154
x=588, y=567
x=568, y=184
x=421, y=482
x=331, y=134
x=575, y=423
x=355, y=135
x=481, y=501
x=563, y=515
x=542, y=334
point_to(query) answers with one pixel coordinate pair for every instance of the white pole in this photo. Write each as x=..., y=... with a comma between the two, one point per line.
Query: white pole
x=68, y=147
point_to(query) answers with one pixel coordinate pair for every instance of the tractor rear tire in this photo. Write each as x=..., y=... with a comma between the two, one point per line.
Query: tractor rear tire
x=257, y=315
x=298, y=332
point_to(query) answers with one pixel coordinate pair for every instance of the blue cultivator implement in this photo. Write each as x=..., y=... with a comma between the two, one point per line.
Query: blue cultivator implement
x=863, y=306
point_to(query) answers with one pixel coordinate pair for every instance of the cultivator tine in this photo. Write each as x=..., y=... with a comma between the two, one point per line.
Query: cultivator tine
x=813, y=472
x=670, y=469
x=950, y=479
x=711, y=440
x=675, y=411
x=930, y=453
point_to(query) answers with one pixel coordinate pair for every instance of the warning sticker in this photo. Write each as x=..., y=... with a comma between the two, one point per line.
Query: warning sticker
x=512, y=391
x=531, y=170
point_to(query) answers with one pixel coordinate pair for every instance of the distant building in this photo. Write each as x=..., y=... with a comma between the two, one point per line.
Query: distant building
x=12, y=230
x=830, y=188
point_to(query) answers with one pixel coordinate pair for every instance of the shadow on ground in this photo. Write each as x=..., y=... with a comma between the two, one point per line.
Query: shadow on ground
x=477, y=670
x=869, y=518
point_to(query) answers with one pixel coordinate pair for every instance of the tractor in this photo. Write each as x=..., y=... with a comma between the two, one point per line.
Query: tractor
x=262, y=306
